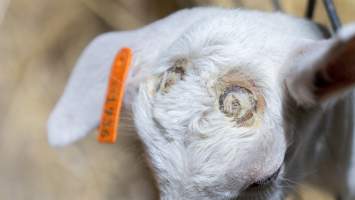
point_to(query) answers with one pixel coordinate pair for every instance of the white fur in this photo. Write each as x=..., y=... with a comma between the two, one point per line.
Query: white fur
x=79, y=110
x=195, y=150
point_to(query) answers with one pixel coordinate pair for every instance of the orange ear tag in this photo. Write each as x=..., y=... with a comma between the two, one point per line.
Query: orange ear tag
x=114, y=96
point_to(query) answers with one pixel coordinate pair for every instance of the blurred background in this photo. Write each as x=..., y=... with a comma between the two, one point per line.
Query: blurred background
x=39, y=43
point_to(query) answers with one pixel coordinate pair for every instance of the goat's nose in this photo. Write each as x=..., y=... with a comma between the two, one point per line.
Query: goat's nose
x=266, y=181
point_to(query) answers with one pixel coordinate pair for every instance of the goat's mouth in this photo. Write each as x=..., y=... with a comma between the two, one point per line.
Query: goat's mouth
x=266, y=181
x=263, y=187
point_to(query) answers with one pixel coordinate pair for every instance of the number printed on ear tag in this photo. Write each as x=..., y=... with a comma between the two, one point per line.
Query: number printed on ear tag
x=114, y=96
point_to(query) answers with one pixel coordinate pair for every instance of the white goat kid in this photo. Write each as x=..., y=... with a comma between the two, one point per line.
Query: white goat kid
x=218, y=97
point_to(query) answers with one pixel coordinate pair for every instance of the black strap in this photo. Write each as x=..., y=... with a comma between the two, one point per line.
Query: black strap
x=331, y=12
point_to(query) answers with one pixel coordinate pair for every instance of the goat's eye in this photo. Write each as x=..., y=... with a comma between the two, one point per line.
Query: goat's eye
x=238, y=103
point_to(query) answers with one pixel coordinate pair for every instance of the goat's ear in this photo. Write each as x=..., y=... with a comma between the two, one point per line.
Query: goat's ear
x=79, y=109
x=324, y=70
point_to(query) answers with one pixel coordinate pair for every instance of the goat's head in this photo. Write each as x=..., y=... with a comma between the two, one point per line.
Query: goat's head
x=209, y=108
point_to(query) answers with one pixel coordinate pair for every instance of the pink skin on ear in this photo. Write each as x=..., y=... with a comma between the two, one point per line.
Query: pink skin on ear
x=324, y=70
x=338, y=73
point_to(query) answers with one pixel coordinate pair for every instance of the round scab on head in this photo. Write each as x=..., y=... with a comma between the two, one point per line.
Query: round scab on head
x=172, y=75
x=240, y=99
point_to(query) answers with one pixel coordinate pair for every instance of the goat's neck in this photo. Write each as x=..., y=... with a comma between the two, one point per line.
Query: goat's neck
x=323, y=142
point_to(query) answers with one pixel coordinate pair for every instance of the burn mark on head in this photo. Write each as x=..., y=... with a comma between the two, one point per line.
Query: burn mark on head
x=240, y=99
x=172, y=75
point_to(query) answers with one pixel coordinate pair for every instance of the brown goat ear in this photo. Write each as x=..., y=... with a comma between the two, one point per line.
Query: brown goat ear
x=325, y=70
x=338, y=72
